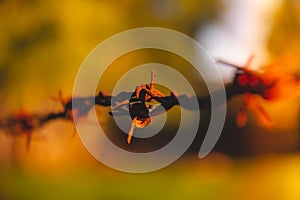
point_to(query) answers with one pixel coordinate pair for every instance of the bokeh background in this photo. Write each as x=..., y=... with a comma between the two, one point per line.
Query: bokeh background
x=43, y=43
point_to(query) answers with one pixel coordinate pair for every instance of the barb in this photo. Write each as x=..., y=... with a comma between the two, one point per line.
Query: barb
x=270, y=85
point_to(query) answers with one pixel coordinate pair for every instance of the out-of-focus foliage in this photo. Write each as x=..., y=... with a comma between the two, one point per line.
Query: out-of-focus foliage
x=216, y=177
x=284, y=40
x=42, y=43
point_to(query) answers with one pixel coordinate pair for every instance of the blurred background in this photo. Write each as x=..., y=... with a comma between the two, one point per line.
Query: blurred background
x=42, y=45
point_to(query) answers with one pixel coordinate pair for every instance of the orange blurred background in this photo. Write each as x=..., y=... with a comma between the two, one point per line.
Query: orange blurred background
x=42, y=45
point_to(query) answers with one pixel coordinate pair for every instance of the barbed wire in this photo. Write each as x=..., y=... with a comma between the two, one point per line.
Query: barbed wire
x=136, y=104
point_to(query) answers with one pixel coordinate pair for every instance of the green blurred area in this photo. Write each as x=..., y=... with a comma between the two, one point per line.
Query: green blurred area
x=215, y=177
x=43, y=43
x=284, y=37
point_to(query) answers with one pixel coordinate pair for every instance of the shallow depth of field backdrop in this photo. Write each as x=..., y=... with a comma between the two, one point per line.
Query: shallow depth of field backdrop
x=43, y=43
